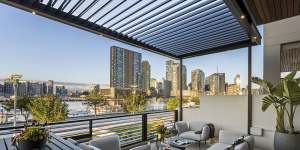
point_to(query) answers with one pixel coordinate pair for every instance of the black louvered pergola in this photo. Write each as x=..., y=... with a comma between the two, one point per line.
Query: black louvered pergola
x=174, y=28
x=178, y=29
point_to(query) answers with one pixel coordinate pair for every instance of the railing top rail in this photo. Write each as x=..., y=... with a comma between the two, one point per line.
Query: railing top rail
x=110, y=116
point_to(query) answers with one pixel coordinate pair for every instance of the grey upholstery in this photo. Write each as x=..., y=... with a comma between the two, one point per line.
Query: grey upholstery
x=109, y=142
x=82, y=145
x=112, y=142
x=181, y=127
x=85, y=147
x=143, y=147
x=187, y=130
x=226, y=138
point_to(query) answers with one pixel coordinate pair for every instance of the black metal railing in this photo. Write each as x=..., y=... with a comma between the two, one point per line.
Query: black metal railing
x=131, y=128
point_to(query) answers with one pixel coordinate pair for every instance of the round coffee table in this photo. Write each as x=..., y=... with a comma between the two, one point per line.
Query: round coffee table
x=175, y=143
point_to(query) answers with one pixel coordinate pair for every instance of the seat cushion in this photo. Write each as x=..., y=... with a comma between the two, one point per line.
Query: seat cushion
x=109, y=142
x=143, y=147
x=181, y=126
x=196, y=125
x=219, y=146
x=242, y=146
x=85, y=147
x=190, y=135
x=228, y=137
x=250, y=142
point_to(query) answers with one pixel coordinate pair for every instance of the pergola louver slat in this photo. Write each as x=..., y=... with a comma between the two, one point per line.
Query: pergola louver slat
x=178, y=29
x=149, y=17
x=103, y=24
x=229, y=30
x=219, y=24
x=198, y=9
x=99, y=9
x=88, y=8
x=183, y=25
x=110, y=11
x=134, y=12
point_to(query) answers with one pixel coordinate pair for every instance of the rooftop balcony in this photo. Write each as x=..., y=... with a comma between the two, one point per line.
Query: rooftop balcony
x=181, y=30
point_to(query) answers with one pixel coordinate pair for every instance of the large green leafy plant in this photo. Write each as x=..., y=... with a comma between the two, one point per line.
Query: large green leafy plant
x=284, y=96
x=48, y=108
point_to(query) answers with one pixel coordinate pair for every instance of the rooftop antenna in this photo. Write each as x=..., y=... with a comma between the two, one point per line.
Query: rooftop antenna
x=217, y=69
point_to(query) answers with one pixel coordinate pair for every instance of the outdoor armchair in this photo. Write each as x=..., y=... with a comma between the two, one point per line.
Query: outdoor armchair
x=228, y=138
x=112, y=142
x=194, y=130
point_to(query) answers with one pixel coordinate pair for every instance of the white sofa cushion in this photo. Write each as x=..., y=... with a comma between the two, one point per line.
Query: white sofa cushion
x=190, y=135
x=228, y=137
x=196, y=125
x=181, y=126
x=219, y=146
x=109, y=142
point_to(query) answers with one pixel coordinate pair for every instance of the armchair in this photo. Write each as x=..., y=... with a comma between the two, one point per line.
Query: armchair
x=227, y=138
x=195, y=130
x=112, y=142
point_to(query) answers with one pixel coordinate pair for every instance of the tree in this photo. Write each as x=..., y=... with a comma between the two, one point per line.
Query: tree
x=172, y=103
x=196, y=100
x=8, y=105
x=134, y=103
x=95, y=100
x=48, y=108
x=23, y=105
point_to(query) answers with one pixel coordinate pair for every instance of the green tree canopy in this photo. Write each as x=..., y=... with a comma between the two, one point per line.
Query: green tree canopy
x=94, y=100
x=134, y=103
x=48, y=108
x=196, y=100
x=23, y=104
x=172, y=103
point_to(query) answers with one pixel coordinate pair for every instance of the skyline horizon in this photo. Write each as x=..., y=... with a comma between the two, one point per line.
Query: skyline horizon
x=64, y=53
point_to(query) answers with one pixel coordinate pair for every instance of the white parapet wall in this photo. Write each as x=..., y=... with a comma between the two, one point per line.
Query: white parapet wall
x=225, y=112
x=230, y=113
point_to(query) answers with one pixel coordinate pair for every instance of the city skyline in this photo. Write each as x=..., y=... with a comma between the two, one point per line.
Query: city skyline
x=38, y=59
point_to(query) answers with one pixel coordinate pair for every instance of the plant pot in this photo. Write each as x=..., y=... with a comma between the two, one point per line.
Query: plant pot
x=29, y=145
x=285, y=141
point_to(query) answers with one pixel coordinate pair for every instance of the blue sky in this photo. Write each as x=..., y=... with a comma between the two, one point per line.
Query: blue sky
x=42, y=49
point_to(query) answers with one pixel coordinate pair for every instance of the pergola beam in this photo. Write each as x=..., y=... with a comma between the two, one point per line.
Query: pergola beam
x=240, y=12
x=219, y=49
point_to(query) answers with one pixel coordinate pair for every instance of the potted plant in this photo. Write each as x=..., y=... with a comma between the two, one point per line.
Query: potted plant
x=161, y=132
x=285, y=97
x=33, y=137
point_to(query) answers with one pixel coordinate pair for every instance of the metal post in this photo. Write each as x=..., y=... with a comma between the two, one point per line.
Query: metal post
x=15, y=78
x=144, y=127
x=91, y=128
x=180, y=94
x=175, y=115
x=249, y=88
x=15, y=102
